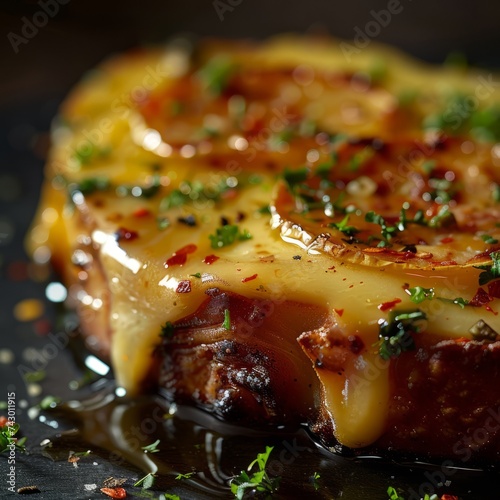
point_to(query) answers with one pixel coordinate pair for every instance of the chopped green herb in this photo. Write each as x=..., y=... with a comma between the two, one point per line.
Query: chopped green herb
x=307, y=128
x=359, y=158
x=396, y=334
x=255, y=179
x=227, y=235
x=324, y=169
x=386, y=231
x=295, y=177
x=496, y=193
x=49, y=402
x=151, y=448
x=343, y=226
x=393, y=494
x=167, y=330
x=489, y=239
x=216, y=73
x=378, y=70
x=443, y=190
x=170, y=496
x=146, y=482
x=419, y=294
x=90, y=185
x=490, y=271
x=7, y=439
x=196, y=275
x=81, y=454
x=184, y=476
x=35, y=376
x=266, y=209
x=227, y=320
x=162, y=223
x=190, y=192
x=85, y=154
x=444, y=218
x=3, y=405
x=428, y=166
x=314, y=480
x=258, y=481
x=460, y=301
x=150, y=190
x=284, y=136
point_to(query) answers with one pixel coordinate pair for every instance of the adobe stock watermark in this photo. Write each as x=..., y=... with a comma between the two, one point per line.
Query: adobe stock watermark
x=120, y=107
x=364, y=35
x=463, y=448
x=11, y=454
x=40, y=358
x=223, y=6
x=454, y=117
x=31, y=27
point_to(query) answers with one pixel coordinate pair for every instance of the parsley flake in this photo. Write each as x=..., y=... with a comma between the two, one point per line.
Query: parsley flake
x=216, y=73
x=146, y=482
x=227, y=235
x=227, y=320
x=489, y=239
x=396, y=334
x=181, y=476
x=167, y=330
x=7, y=439
x=419, y=294
x=258, y=480
x=151, y=448
x=490, y=271
x=343, y=227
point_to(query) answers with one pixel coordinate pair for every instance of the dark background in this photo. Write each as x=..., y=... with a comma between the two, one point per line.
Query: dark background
x=83, y=32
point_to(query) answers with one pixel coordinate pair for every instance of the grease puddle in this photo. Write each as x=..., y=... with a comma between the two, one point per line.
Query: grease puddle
x=192, y=441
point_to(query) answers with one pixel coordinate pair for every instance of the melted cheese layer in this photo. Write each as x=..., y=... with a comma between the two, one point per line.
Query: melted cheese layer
x=156, y=150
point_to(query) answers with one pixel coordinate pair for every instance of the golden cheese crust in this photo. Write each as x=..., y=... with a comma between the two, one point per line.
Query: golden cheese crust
x=277, y=234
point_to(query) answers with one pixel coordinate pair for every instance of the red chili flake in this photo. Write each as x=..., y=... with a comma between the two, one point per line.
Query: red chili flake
x=184, y=286
x=494, y=289
x=3, y=421
x=489, y=309
x=176, y=260
x=42, y=326
x=448, y=239
x=480, y=299
x=126, y=234
x=186, y=250
x=210, y=259
x=180, y=256
x=17, y=271
x=386, y=306
x=142, y=212
x=250, y=278
x=339, y=311
x=115, y=492
x=448, y=497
